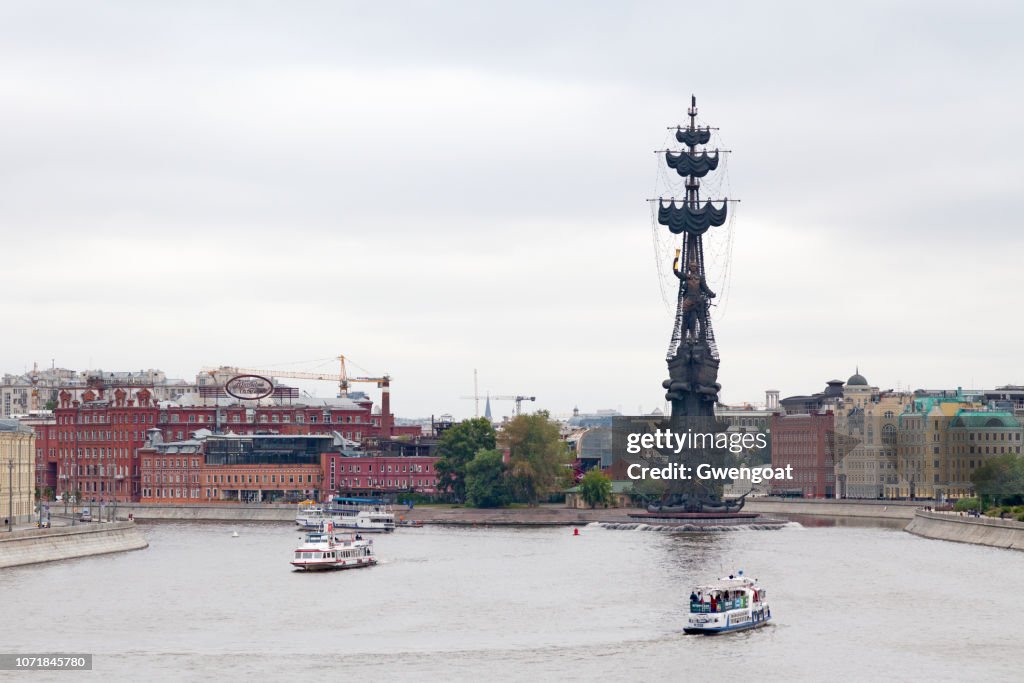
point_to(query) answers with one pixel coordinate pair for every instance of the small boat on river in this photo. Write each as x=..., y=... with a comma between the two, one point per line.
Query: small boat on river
x=325, y=549
x=735, y=603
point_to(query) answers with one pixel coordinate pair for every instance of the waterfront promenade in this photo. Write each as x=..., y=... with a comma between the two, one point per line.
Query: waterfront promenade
x=961, y=528
x=33, y=546
x=846, y=507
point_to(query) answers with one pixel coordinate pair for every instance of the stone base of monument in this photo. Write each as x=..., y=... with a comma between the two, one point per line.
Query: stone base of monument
x=697, y=521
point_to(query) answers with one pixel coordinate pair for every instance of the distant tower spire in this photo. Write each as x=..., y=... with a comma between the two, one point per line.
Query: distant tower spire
x=487, y=409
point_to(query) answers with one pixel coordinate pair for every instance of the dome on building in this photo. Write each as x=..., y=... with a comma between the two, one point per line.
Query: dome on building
x=857, y=380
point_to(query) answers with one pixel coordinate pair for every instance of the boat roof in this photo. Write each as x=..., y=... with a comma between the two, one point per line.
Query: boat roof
x=728, y=584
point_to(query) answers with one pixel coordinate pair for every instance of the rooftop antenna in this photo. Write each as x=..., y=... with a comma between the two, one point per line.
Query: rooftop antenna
x=476, y=393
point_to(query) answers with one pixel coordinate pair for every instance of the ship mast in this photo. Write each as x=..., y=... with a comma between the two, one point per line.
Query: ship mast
x=692, y=354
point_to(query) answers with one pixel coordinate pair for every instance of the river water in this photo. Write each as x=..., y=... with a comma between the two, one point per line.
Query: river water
x=851, y=602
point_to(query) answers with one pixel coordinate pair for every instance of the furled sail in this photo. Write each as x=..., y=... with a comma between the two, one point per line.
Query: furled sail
x=687, y=164
x=694, y=221
x=692, y=138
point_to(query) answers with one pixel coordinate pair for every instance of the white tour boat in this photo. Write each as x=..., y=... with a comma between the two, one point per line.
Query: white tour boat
x=324, y=549
x=365, y=515
x=309, y=515
x=734, y=603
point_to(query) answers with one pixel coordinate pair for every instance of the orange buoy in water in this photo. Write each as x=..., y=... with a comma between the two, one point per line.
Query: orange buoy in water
x=575, y=532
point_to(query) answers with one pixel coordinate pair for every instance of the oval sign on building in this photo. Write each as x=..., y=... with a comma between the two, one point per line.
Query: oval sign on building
x=249, y=387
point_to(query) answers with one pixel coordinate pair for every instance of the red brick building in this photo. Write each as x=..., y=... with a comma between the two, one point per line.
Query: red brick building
x=92, y=443
x=178, y=473
x=805, y=442
x=253, y=469
x=375, y=475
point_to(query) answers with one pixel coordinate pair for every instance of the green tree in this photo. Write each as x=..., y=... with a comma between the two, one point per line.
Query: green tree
x=539, y=459
x=965, y=504
x=1000, y=481
x=487, y=480
x=649, y=490
x=457, y=446
x=596, y=488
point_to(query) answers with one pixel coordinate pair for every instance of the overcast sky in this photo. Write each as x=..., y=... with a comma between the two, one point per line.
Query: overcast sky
x=435, y=187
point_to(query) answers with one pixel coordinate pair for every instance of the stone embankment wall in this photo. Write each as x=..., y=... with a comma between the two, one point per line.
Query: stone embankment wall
x=227, y=512
x=834, y=508
x=545, y=514
x=449, y=515
x=63, y=543
x=951, y=526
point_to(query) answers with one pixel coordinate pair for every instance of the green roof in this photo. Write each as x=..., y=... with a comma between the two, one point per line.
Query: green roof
x=974, y=419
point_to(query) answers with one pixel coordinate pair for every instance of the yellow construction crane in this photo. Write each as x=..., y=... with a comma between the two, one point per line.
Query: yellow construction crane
x=342, y=378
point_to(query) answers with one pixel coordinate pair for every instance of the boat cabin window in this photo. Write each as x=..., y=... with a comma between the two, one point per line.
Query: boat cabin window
x=718, y=600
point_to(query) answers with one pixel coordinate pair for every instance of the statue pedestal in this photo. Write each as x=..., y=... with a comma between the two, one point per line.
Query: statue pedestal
x=695, y=515
x=706, y=521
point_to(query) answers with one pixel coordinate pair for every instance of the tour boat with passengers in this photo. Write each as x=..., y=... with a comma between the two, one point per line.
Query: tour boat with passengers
x=325, y=549
x=366, y=515
x=735, y=603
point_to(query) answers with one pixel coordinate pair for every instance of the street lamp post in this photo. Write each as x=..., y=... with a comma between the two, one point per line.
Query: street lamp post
x=10, y=494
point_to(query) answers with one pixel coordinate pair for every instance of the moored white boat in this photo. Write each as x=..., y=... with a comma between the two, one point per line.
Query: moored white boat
x=366, y=515
x=325, y=549
x=309, y=515
x=735, y=603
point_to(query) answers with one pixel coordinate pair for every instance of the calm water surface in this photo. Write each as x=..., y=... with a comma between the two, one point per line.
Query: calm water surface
x=851, y=602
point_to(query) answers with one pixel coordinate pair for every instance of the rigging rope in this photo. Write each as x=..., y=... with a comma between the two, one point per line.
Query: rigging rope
x=717, y=243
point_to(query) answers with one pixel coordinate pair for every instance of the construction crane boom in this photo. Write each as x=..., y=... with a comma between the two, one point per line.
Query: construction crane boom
x=499, y=397
x=342, y=378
